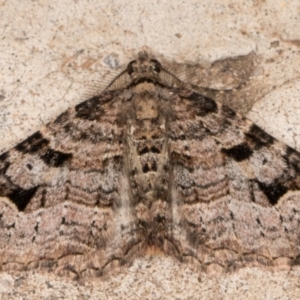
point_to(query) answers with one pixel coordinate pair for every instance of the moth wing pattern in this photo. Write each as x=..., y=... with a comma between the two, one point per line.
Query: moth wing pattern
x=64, y=185
x=235, y=189
x=148, y=164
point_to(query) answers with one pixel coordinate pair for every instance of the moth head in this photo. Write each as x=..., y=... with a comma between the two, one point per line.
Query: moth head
x=144, y=68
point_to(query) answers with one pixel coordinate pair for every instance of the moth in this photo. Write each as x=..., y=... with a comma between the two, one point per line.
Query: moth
x=148, y=165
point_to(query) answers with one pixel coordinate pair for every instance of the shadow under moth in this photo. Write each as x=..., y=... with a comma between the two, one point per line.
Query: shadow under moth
x=148, y=165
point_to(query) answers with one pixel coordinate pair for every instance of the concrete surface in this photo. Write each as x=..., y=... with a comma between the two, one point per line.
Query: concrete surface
x=53, y=54
x=156, y=278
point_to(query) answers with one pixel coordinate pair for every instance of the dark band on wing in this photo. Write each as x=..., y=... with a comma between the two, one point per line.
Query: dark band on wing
x=273, y=191
x=55, y=158
x=239, y=152
x=292, y=159
x=228, y=112
x=33, y=144
x=203, y=105
x=21, y=197
x=92, y=109
x=259, y=137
